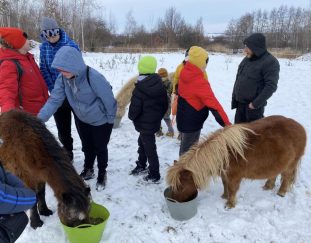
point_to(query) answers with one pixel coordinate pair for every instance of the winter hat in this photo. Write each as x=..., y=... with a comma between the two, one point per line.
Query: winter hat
x=257, y=43
x=147, y=65
x=163, y=72
x=13, y=36
x=48, y=24
x=198, y=56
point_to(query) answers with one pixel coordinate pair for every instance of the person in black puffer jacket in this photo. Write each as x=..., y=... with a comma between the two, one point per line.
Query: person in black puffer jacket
x=256, y=80
x=148, y=105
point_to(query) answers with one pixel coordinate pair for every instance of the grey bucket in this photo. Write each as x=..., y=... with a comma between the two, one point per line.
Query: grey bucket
x=181, y=210
x=117, y=121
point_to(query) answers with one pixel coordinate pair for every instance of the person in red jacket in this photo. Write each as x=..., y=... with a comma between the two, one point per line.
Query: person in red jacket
x=196, y=99
x=29, y=91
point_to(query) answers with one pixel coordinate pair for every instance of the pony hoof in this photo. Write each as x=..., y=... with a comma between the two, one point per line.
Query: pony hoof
x=281, y=194
x=36, y=223
x=46, y=212
x=266, y=188
x=230, y=205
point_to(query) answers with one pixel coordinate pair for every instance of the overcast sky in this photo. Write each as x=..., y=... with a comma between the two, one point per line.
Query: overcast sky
x=216, y=14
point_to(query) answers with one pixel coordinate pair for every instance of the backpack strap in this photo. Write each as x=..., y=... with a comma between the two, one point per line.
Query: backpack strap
x=88, y=75
x=20, y=71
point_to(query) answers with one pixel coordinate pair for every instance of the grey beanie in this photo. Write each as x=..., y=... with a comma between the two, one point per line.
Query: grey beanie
x=48, y=24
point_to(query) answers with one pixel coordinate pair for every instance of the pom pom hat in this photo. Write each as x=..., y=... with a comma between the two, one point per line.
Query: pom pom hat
x=14, y=37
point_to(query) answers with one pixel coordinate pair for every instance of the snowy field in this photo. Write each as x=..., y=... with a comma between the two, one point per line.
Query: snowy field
x=138, y=210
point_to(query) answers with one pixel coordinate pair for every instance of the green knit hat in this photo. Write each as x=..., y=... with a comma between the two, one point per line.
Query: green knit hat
x=147, y=65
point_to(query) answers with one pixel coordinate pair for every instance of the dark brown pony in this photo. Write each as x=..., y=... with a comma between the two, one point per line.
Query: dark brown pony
x=262, y=149
x=31, y=152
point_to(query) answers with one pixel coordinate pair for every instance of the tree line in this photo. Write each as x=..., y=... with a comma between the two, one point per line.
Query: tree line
x=78, y=18
x=284, y=27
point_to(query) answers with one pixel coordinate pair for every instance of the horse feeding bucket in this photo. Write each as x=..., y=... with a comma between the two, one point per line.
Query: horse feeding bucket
x=88, y=233
x=181, y=210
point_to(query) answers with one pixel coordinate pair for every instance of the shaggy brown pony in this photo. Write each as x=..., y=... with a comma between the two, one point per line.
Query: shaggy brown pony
x=31, y=152
x=262, y=149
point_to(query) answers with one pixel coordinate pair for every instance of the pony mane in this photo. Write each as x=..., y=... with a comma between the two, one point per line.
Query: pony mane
x=60, y=160
x=211, y=157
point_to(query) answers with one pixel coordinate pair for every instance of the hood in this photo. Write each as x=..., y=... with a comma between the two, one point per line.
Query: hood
x=69, y=59
x=191, y=72
x=151, y=85
x=257, y=43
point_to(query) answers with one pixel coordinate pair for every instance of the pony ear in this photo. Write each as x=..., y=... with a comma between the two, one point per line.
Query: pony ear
x=175, y=161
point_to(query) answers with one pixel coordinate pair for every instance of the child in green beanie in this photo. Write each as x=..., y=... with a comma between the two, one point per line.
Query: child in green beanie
x=148, y=106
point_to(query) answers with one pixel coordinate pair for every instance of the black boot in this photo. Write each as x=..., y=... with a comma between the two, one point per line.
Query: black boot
x=138, y=170
x=87, y=174
x=101, y=181
x=154, y=177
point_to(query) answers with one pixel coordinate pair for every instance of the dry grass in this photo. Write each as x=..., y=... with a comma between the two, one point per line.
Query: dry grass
x=285, y=53
x=138, y=49
x=218, y=48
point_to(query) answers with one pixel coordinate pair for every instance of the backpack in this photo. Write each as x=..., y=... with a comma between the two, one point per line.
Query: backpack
x=20, y=71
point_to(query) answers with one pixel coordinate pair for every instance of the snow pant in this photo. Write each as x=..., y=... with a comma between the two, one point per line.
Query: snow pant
x=187, y=140
x=245, y=114
x=12, y=226
x=147, y=151
x=94, y=141
x=62, y=119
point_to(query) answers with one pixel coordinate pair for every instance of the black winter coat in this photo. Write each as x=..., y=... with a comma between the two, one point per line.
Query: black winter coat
x=149, y=103
x=257, y=77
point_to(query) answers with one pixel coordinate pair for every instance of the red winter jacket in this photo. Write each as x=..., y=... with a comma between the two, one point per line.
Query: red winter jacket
x=34, y=91
x=196, y=99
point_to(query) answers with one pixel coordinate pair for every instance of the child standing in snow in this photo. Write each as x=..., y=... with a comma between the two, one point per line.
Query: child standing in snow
x=148, y=106
x=169, y=89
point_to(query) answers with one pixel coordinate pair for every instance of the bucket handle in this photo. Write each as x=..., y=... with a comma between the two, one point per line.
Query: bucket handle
x=172, y=200
x=84, y=226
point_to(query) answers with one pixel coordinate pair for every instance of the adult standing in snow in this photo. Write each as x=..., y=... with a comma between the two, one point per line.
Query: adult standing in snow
x=91, y=98
x=256, y=80
x=196, y=99
x=53, y=39
x=15, y=198
x=21, y=83
x=149, y=103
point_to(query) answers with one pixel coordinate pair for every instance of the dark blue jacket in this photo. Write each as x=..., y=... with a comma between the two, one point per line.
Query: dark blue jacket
x=14, y=196
x=149, y=103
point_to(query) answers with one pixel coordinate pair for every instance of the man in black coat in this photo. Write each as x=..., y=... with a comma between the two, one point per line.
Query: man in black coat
x=256, y=80
x=148, y=105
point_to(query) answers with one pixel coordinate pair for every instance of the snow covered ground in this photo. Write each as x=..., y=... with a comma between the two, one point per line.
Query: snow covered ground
x=138, y=210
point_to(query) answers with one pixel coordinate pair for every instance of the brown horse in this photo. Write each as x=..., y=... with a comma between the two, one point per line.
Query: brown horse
x=262, y=149
x=32, y=153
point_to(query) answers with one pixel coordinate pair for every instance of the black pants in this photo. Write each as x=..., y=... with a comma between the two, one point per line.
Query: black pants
x=62, y=119
x=245, y=114
x=187, y=140
x=147, y=150
x=4, y=236
x=94, y=141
